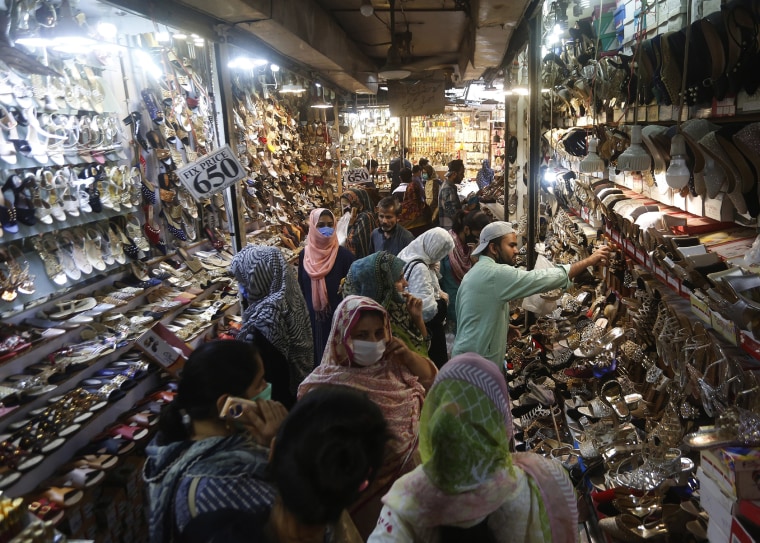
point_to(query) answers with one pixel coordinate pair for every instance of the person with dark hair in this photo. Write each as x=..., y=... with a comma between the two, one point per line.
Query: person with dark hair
x=415, y=213
x=199, y=463
x=432, y=189
x=275, y=318
x=372, y=166
x=486, y=290
x=395, y=166
x=417, y=178
x=471, y=486
x=390, y=236
x=363, y=354
x=326, y=458
x=321, y=268
x=361, y=224
x=422, y=258
x=380, y=276
x=422, y=162
x=465, y=233
x=449, y=203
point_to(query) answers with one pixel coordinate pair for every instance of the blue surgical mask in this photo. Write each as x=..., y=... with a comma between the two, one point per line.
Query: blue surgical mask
x=424, y=177
x=326, y=230
x=265, y=394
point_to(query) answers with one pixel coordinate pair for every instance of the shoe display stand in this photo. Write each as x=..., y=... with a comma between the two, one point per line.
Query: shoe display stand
x=32, y=478
x=370, y=134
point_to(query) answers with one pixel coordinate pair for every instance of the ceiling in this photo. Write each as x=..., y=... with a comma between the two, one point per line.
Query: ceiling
x=463, y=38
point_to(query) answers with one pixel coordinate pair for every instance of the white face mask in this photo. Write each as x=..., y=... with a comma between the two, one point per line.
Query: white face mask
x=367, y=353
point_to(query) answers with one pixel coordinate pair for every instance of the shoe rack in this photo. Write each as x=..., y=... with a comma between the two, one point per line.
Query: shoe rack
x=119, y=343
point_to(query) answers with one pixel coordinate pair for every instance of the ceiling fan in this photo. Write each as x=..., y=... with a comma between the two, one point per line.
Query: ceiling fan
x=400, y=63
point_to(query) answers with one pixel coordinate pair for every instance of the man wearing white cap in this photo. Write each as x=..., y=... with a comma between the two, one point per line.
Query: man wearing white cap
x=486, y=290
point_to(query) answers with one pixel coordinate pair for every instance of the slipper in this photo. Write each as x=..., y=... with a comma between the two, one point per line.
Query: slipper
x=47, y=510
x=95, y=461
x=63, y=496
x=132, y=432
x=72, y=307
x=81, y=477
x=115, y=446
x=146, y=419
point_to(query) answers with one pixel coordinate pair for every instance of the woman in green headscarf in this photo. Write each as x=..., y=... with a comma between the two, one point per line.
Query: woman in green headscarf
x=470, y=483
x=380, y=276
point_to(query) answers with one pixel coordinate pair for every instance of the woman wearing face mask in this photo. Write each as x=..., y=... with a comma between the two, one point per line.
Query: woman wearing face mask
x=380, y=276
x=275, y=318
x=199, y=463
x=361, y=224
x=465, y=233
x=321, y=268
x=363, y=354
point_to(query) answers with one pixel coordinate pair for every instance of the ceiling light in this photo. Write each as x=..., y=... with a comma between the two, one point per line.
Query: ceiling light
x=521, y=91
x=366, y=8
x=635, y=158
x=179, y=36
x=393, y=69
x=383, y=87
x=246, y=63
x=592, y=163
x=199, y=42
x=162, y=37
x=320, y=103
x=290, y=88
x=107, y=30
x=274, y=68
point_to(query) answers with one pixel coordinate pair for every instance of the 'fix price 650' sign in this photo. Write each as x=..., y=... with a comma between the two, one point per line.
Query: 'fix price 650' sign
x=212, y=173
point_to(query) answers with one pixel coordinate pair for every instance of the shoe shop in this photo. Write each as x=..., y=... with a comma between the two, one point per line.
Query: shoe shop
x=183, y=179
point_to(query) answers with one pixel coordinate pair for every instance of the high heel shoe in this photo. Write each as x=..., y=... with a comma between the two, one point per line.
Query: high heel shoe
x=135, y=120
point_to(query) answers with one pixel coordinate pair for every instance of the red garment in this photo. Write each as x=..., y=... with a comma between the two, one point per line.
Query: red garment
x=459, y=258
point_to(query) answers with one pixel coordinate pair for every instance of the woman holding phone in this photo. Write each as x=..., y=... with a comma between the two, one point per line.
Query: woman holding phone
x=199, y=462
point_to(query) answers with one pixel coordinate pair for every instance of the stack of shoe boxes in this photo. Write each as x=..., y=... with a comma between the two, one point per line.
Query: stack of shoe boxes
x=728, y=482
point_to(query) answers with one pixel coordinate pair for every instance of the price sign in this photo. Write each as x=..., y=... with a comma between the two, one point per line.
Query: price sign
x=358, y=175
x=211, y=173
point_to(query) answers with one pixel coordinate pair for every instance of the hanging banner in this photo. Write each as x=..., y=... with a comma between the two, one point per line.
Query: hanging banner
x=211, y=173
x=418, y=98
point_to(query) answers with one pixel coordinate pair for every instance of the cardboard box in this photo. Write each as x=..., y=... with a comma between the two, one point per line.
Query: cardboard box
x=735, y=470
x=715, y=534
x=720, y=208
x=163, y=347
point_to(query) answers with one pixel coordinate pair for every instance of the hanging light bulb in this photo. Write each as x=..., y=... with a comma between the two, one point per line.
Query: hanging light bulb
x=635, y=158
x=678, y=173
x=366, y=8
x=550, y=174
x=592, y=162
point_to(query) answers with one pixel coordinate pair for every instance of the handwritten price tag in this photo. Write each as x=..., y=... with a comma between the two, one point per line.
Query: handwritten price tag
x=212, y=173
x=359, y=175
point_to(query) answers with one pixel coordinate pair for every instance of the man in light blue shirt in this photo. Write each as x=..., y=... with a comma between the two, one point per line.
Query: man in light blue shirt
x=486, y=290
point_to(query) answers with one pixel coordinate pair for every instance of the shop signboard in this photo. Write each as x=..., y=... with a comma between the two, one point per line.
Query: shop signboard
x=211, y=173
x=408, y=98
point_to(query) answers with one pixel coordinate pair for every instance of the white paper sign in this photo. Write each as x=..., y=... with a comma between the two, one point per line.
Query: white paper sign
x=358, y=175
x=211, y=173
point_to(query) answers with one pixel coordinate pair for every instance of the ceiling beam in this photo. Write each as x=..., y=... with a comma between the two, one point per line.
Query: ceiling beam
x=302, y=30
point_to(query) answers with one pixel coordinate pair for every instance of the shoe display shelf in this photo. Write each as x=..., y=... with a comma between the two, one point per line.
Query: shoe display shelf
x=44, y=287
x=34, y=476
x=684, y=300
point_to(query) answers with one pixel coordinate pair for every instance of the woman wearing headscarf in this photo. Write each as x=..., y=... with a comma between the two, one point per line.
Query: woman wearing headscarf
x=465, y=233
x=469, y=479
x=275, y=318
x=485, y=175
x=321, y=268
x=422, y=257
x=362, y=223
x=414, y=214
x=363, y=354
x=380, y=276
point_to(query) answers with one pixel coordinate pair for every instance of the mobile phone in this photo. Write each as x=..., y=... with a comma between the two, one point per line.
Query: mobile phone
x=234, y=407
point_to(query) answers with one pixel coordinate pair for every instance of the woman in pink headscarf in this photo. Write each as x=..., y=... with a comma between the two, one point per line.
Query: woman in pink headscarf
x=321, y=268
